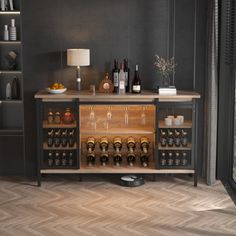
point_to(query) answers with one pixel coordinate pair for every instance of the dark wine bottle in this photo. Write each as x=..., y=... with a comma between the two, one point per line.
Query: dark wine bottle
x=127, y=80
x=15, y=89
x=115, y=76
x=136, y=85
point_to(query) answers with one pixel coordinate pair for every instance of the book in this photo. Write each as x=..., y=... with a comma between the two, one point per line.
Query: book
x=3, y=7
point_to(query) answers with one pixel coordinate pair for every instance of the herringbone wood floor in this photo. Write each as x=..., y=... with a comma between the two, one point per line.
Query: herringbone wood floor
x=64, y=206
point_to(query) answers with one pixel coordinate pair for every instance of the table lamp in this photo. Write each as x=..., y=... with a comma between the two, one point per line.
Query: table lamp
x=78, y=57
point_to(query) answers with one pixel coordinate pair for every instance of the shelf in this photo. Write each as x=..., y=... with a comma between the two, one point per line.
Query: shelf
x=10, y=71
x=116, y=170
x=59, y=126
x=10, y=42
x=9, y=12
x=130, y=131
x=189, y=147
x=186, y=125
x=11, y=132
x=11, y=101
x=45, y=147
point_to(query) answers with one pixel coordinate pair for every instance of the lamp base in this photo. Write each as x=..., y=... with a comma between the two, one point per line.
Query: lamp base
x=78, y=81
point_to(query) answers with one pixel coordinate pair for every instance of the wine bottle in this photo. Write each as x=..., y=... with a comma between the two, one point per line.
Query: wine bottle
x=177, y=138
x=177, y=158
x=50, y=159
x=90, y=144
x=64, y=138
x=170, y=159
x=127, y=80
x=184, y=159
x=115, y=76
x=136, y=85
x=121, y=79
x=91, y=153
x=50, y=138
x=15, y=88
x=144, y=159
x=184, y=139
x=144, y=144
x=104, y=144
x=163, y=138
x=57, y=159
x=163, y=158
x=170, y=139
x=50, y=116
x=71, y=159
x=71, y=139
x=131, y=156
x=63, y=159
x=131, y=144
x=117, y=158
x=57, y=138
x=131, y=159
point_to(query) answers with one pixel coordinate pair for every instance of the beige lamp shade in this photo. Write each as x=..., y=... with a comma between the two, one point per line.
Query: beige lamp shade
x=78, y=57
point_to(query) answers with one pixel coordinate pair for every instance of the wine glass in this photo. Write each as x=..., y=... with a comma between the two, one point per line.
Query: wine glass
x=143, y=115
x=92, y=117
x=126, y=118
x=108, y=117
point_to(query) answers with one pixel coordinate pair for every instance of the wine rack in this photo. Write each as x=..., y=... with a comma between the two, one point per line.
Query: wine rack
x=59, y=137
x=128, y=155
x=110, y=133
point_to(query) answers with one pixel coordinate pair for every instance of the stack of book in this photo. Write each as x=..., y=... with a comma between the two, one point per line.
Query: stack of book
x=167, y=91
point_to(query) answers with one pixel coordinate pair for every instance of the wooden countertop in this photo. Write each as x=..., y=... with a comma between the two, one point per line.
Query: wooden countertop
x=88, y=96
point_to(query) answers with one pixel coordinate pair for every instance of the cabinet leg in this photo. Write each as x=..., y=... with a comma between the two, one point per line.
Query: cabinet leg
x=80, y=178
x=195, y=179
x=154, y=177
x=39, y=181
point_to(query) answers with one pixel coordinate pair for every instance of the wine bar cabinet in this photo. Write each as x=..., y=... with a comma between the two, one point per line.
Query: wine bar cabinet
x=146, y=133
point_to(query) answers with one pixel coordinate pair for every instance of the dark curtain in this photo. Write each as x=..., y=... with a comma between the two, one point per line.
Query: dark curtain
x=211, y=95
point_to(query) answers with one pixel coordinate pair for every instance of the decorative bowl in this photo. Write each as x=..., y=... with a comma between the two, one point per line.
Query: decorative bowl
x=56, y=91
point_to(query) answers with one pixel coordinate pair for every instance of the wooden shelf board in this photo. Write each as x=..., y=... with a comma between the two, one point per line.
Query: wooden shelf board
x=63, y=126
x=84, y=131
x=189, y=147
x=10, y=71
x=45, y=147
x=11, y=132
x=10, y=42
x=116, y=170
x=11, y=101
x=9, y=12
x=186, y=125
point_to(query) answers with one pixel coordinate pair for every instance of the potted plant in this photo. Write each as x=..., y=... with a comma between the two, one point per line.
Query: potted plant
x=165, y=68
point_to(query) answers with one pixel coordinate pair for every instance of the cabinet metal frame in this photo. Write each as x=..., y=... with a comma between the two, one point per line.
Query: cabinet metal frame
x=76, y=103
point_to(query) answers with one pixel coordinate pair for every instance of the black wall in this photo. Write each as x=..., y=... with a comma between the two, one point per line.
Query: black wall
x=133, y=29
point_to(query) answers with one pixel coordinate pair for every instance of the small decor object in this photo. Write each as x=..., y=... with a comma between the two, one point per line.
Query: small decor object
x=56, y=88
x=11, y=60
x=50, y=117
x=68, y=117
x=165, y=69
x=106, y=85
x=11, y=5
x=131, y=181
x=57, y=118
x=12, y=30
x=8, y=91
x=3, y=5
x=6, y=33
x=78, y=57
x=15, y=88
